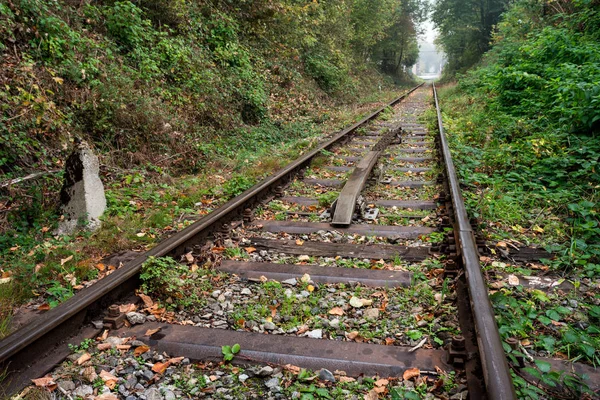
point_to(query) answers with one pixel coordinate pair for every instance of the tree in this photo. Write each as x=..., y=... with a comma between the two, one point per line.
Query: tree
x=465, y=28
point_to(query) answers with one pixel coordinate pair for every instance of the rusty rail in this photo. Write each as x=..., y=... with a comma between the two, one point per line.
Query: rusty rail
x=496, y=373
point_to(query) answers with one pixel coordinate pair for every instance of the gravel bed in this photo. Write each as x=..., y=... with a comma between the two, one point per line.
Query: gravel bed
x=332, y=236
x=116, y=368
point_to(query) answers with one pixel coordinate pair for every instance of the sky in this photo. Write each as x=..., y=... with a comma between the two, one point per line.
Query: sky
x=430, y=32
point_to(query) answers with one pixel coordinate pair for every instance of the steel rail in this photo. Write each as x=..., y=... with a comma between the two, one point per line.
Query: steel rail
x=79, y=304
x=496, y=373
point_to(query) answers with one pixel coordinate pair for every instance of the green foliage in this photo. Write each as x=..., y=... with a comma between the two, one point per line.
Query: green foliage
x=171, y=282
x=465, y=30
x=531, y=135
x=230, y=351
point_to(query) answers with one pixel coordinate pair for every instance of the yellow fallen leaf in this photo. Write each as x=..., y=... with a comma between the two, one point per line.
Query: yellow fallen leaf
x=84, y=357
x=66, y=260
x=411, y=373
x=336, y=311
x=299, y=242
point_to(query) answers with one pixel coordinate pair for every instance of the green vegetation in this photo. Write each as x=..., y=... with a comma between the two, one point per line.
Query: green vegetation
x=530, y=133
x=524, y=129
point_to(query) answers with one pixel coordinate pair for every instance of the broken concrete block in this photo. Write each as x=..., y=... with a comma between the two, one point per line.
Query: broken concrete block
x=82, y=196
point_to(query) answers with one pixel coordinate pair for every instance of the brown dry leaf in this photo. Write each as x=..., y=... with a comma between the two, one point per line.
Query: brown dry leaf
x=292, y=368
x=299, y=242
x=109, y=379
x=44, y=382
x=123, y=347
x=513, y=280
x=379, y=390
x=140, y=350
x=411, y=373
x=151, y=332
x=501, y=244
x=273, y=310
x=125, y=308
x=439, y=370
x=100, y=267
x=372, y=395
x=382, y=382
x=89, y=373
x=250, y=250
x=352, y=335
x=346, y=379
x=389, y=341
x=107, y=376
x=106, y=396
x=160, y=367
x=44, y=307
x=189, y=257
x=84, y=357
x=302, y=329
x=336, y=311
x=104, y=335
x=146, y=299
x=103, y=346
x=497, y=285
x=438, y=384
x=175, y=360
x=66, y=260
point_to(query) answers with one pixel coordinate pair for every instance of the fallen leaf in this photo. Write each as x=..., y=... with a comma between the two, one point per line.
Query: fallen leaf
x=189, y=257
x=292, y=368
x=159, y=367
x=66, y=260
x=379, y=389
x=346, y=379
x=299, y=242
x=140, y=350
x=357, y=303
x=151, y=332
x=123, y=347
x=175, y=360
x=302, y=329
x=382, y=382
x=372, y=395
x=336, y=311
x=250, y=250
x=411, y=373
x=109, y=379
x=513, y=280
x=140, y=234
x=106, y=396
x=125, y=308
x=100, y=267
x=497, y=285
x=84, y=357
x=352, y=335
x=103, y=346
x=44, y=382
x=44, y=307
x=146, y=299
x=89, y=373
x=389, y=341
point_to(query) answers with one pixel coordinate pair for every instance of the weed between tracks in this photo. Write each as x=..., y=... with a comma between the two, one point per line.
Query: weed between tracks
x=390, y=316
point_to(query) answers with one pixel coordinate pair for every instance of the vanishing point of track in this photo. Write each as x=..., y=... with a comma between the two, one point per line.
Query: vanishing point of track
x=378, y=166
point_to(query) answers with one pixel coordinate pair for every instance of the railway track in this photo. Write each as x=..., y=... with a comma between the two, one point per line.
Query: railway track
x=358, y=258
